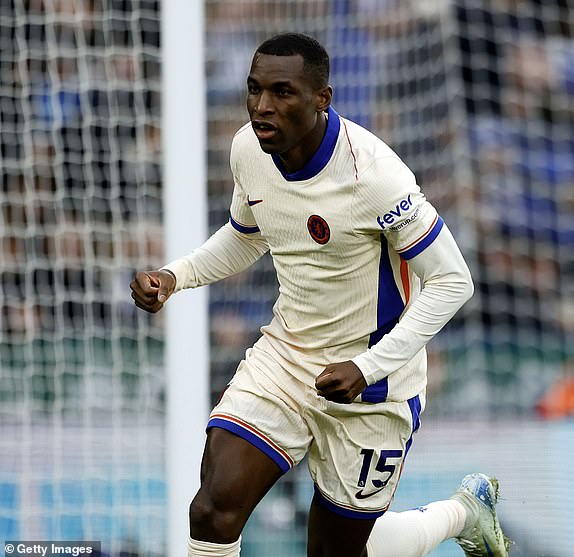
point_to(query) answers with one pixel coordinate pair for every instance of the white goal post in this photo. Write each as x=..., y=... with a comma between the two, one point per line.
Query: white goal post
x=185, y=225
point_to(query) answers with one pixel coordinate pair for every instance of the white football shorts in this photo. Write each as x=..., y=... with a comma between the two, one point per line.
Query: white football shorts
x=356, y=451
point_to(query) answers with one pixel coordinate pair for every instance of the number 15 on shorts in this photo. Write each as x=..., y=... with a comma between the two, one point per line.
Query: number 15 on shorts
x=375, y=481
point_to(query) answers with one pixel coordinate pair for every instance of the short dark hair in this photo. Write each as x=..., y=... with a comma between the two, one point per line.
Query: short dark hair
x=315, y=57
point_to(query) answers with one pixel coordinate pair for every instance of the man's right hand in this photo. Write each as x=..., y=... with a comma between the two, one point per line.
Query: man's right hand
x=151, y=289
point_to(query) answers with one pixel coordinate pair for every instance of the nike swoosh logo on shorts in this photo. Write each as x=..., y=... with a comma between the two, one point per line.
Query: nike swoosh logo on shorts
x=361, y=495
x=253, y=202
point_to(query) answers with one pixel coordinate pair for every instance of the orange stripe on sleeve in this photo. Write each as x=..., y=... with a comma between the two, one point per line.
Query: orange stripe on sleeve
x=405, y=280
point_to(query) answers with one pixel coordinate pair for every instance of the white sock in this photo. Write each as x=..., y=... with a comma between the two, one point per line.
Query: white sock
x=417, y=532
x=196, y=548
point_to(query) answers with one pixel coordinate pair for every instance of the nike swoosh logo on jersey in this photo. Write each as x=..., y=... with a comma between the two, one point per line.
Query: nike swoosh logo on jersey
x=253, y=202
x=361, y=495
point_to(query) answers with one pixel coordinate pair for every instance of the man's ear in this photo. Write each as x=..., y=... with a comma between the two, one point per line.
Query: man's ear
x=324, y=98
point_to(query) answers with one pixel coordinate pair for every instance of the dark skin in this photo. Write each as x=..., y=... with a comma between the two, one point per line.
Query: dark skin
x=282, y=96
x=287, y=111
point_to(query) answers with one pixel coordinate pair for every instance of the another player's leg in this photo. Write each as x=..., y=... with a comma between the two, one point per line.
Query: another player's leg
x=333, y=535
x=235, y=475
x=469, y=516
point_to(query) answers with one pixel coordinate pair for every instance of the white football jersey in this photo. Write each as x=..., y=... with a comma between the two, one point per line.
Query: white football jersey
x=341, y=232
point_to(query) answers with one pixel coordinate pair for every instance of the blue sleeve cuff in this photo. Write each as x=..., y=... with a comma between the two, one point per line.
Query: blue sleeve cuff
x=243, y=228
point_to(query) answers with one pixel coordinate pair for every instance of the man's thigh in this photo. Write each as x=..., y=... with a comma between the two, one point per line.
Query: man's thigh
x=235, y=476
x=263, y=404
x=256, y=433
x=357, y=454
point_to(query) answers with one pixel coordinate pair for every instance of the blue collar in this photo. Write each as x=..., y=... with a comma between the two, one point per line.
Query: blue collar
x=321, y=157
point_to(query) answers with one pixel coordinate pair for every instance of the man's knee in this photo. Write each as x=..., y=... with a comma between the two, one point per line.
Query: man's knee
x=213, y=520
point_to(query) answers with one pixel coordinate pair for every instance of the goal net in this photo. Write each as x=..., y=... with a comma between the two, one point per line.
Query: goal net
x=475, y=96
x=81, y=371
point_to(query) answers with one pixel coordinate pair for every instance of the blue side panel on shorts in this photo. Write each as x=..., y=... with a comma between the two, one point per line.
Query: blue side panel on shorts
x=252, y=438
x=347, y=513
x=390, y=305
x=415, y=406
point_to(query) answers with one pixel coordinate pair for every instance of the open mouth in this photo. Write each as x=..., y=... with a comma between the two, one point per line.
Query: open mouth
x=263, y=130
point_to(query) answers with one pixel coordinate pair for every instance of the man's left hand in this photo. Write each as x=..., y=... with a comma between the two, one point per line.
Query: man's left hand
x=341, y=382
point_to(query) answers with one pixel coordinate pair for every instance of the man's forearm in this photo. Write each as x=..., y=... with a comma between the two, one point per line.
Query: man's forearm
x=447, y=285
x=224, y=254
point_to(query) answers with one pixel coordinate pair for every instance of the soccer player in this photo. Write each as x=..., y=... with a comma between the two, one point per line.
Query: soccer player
x=368, y=273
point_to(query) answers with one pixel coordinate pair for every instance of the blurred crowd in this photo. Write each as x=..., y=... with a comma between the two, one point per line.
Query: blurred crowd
x=80, y=162
x=517, y=62
x=476, y=97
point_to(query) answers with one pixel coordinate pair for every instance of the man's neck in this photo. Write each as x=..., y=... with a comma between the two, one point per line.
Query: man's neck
x=297, y=157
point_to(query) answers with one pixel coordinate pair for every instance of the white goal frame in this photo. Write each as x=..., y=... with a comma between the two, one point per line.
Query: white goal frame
x=185, y=224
